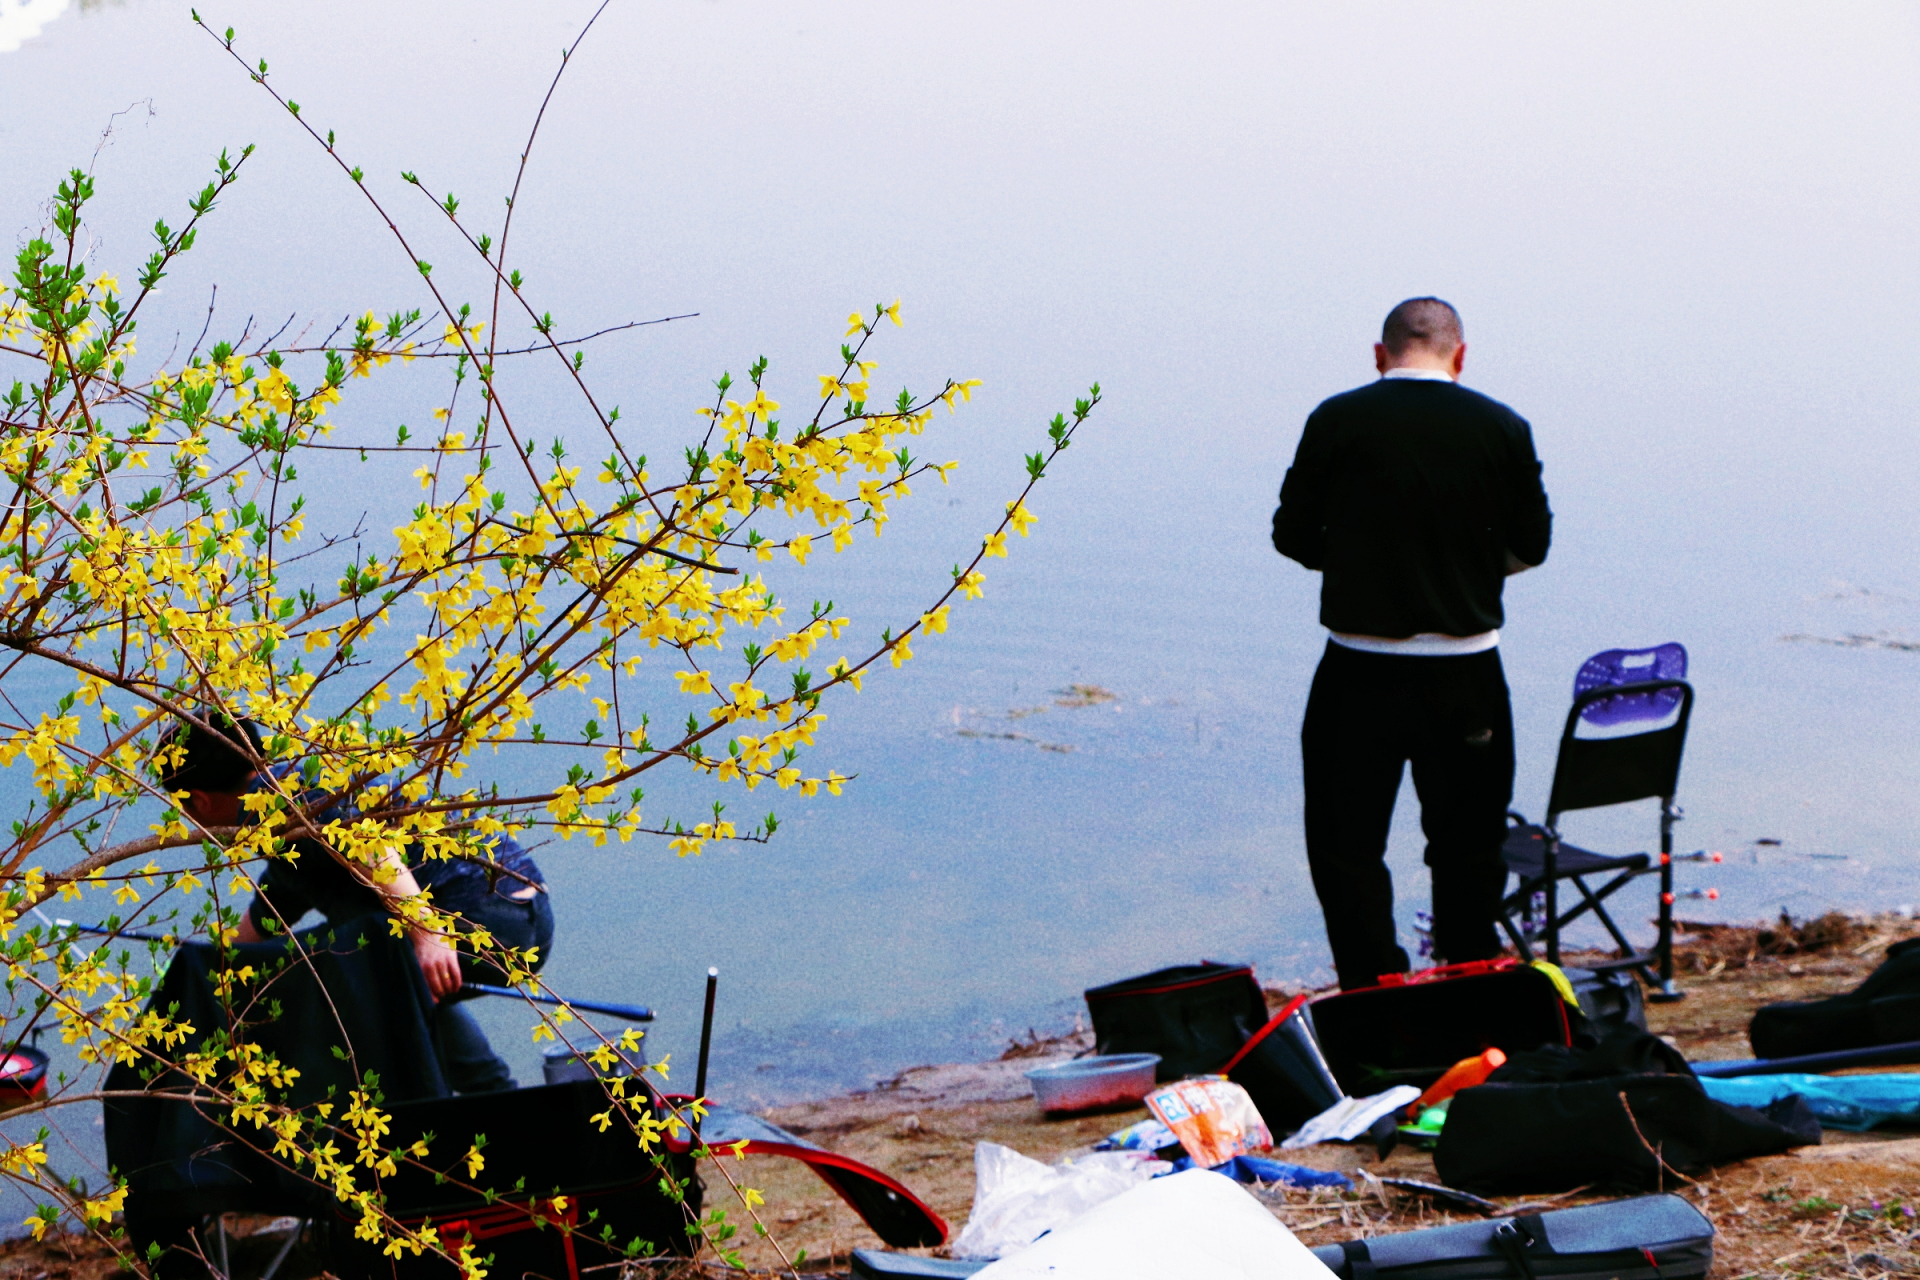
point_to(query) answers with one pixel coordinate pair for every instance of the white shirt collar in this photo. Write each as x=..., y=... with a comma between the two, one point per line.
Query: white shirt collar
x=1420, y=375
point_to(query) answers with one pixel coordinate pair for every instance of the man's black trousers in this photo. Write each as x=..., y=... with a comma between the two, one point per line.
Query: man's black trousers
x=1368, y=715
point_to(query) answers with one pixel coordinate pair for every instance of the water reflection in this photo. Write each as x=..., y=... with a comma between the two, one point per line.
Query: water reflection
x=21, y=20
x=1210, y=215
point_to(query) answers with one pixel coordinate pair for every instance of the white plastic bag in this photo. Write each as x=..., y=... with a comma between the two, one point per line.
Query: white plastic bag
x=1196, y=1224
x=1348, y=1118
x=1016, y=1200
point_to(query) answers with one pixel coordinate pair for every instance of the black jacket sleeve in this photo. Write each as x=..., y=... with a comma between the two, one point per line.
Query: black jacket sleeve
x=1529, y=521
x=1300, y=523
x=281, y=896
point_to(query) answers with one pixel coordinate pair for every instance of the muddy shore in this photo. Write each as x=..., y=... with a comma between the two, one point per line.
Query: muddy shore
x=1843, y=1209
x=1809, y=1214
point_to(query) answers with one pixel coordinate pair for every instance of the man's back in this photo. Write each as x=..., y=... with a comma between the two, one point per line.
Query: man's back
x=1409, y=494
x=1416, y=498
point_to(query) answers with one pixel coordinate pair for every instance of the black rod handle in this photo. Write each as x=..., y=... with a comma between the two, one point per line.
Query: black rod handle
x=706, y=1035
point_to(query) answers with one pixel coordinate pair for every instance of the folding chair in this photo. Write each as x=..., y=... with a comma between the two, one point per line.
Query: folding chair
x=1613, y=692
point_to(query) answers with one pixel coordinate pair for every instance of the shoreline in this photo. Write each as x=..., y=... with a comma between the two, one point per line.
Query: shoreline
x=1835, y=1211
x=920, y=1127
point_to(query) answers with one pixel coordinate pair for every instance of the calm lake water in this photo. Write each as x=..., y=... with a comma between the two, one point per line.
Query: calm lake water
x=1683, y=245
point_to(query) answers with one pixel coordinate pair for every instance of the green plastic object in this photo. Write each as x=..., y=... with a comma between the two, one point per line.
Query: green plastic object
x=1426, y=1129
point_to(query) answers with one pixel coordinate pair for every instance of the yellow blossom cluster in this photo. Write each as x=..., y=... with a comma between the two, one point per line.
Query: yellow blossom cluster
x=420, y=691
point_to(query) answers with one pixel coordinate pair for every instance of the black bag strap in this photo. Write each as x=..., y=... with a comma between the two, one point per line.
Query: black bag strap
x=1357, y=1261
x=1520, y=1240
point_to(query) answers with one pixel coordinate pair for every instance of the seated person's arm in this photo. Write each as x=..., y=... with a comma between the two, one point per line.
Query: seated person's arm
x=439, y=963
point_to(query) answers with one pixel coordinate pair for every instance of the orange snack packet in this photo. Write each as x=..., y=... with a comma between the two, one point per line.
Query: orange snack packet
x=1214, y=1119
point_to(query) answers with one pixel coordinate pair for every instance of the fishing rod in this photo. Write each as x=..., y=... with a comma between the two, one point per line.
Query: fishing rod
x=1877, y=1055
x=627, y=1012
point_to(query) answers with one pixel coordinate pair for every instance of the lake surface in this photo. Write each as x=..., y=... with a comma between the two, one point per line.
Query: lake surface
x=1682, y=242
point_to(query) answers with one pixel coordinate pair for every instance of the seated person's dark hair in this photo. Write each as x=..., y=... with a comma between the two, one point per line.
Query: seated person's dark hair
x=212, y=763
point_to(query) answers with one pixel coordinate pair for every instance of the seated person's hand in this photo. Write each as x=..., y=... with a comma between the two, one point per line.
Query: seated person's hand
x=439, y=963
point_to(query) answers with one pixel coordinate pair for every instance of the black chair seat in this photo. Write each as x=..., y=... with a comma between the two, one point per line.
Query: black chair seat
x=1525, y=853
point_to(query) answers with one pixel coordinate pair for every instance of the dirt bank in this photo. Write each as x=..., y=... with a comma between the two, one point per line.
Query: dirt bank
x=1838, y=1210
x=1804, y=1215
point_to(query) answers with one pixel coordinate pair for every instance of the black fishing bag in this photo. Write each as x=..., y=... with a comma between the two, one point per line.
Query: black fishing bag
x=1650, y=1238
x=1194, y=1016
x=1412, y=1027
x=1284, y=1072
x=1884, y=1009
x=1626, y=1115
x=557, y=1197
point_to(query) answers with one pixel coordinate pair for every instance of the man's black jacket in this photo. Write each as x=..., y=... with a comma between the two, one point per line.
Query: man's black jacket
x=1407, y=495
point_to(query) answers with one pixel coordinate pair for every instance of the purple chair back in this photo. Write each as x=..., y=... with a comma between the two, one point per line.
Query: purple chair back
x=1631, y=666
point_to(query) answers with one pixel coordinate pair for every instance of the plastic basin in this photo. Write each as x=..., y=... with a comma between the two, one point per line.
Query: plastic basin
x=1086, y=1083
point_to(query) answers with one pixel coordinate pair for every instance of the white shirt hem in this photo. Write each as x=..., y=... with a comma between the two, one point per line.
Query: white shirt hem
x=1426, y=645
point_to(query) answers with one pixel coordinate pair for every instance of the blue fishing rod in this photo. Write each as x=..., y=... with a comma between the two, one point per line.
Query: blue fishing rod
x=626, y=1012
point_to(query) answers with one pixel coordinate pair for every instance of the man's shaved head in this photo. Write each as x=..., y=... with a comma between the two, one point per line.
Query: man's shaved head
x=1422, y=322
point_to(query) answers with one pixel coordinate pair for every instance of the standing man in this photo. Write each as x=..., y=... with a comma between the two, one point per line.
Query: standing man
x=1415, y=498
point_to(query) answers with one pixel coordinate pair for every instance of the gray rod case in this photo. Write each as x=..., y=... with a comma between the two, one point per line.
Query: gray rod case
x=1646, y=1238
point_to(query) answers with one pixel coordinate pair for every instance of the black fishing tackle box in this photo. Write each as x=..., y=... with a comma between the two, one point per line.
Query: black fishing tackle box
x=1412, y=1027
x=1646, y=1238
x=1195, y=1016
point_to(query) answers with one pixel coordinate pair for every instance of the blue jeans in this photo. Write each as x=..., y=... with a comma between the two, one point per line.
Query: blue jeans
x=466, y=1059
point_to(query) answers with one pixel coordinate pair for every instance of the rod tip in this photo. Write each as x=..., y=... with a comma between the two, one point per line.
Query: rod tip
x=713, y=973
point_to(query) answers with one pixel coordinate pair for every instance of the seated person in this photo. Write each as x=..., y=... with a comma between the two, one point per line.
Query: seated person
x=507, y=898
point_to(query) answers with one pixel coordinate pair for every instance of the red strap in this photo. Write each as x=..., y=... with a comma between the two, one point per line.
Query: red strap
x=1272, y=1024
x=1245, y=970
x=1465, y=969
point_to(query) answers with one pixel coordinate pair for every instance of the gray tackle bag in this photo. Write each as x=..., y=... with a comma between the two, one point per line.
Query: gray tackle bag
x=1646, y=1238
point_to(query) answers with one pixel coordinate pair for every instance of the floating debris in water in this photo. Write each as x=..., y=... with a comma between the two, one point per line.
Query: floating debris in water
x=1073, y=697
x=1062, y=747
x=1883, y=640
x=1084, y=695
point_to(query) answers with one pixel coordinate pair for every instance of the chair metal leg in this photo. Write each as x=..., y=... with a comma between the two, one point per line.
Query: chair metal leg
x=1592, y=903
x=1518, y=936
x=285, y=1249
x=1550, y=868
x=1593, y=899
x=1666, y=991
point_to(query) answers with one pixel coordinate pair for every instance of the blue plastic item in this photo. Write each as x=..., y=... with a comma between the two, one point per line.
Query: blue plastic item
x=1257, y=1169
x=1841, y=1102
x=1147, y=1135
